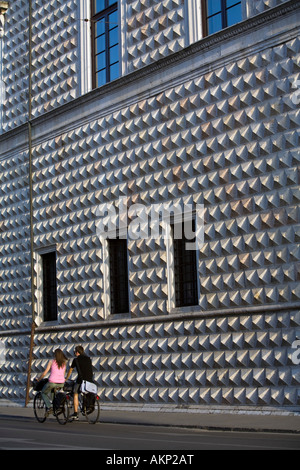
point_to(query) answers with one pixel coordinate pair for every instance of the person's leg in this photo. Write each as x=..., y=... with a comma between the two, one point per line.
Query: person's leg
x=75, y=401
x=46, y=394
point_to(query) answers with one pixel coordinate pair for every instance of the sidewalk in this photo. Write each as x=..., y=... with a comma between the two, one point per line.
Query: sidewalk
x=246, y=420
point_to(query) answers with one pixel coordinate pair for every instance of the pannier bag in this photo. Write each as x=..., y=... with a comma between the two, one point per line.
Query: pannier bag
x=89, y=402
x=59, y=401
x=88, y=387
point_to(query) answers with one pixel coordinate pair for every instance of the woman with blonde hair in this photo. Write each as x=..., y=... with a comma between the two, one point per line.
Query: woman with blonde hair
x=57, y=369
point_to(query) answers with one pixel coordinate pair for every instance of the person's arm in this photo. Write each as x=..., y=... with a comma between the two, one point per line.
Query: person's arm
x=46, y=370
x=65, y=374
x=69, y=373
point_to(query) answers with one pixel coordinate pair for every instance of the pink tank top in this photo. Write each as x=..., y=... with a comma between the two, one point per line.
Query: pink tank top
x=57, y=376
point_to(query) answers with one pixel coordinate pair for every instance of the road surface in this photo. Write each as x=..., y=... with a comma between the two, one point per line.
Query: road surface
x=27, y=434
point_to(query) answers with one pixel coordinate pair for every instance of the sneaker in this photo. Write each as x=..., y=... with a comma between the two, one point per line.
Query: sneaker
x=49, y=411
x=74, y=417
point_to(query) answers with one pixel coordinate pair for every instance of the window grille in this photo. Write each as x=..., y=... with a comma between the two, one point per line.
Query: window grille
x=185, y=268
x=49, y=286
x=118, y=264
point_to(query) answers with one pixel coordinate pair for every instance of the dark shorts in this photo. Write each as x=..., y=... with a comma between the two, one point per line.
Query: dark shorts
x=76, y=388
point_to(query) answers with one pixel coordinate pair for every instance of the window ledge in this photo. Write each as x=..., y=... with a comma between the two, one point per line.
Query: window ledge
x=183, y=314
x=184, y=310
x=118, y=316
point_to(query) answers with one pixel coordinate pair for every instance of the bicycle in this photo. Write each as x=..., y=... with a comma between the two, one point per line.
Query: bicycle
x=60, y=404
x=88, y=403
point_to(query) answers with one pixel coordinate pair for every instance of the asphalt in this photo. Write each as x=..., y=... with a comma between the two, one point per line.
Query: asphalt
x=277, y=421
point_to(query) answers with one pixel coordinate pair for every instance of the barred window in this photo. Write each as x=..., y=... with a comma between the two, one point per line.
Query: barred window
x=119, y=282
x=49, y=286
x=185, y=268
x=105, y=41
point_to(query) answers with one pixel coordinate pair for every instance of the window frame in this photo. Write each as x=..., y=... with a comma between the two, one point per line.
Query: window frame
x=179, y=268
x=96, y=17
x=50, y=308
x=42, y=315
x=224, y=9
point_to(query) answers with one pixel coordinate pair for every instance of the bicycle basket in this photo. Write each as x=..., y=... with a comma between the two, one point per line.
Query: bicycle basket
x=68, y=386
x=39, y=385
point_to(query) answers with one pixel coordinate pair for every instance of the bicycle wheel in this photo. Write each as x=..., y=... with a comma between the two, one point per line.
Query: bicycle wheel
x=39, y=407
x=91, y=410
x=62, y=412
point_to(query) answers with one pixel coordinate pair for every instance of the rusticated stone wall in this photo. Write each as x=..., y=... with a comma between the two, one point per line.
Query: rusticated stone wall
x=218, y=125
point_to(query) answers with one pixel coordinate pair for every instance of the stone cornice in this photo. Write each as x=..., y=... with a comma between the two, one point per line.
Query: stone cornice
x=189, y=314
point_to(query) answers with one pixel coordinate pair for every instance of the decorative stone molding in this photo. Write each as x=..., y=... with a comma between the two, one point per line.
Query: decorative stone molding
x=194, y=20
x=85, y=47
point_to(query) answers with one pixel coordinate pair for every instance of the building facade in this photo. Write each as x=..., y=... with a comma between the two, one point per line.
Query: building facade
x=118, y=118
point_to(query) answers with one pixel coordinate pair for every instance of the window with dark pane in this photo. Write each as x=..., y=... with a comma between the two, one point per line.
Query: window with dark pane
x=49, y=286
x=118, y=264
x=105, y=28
x=220, y=14
x=185, y=267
